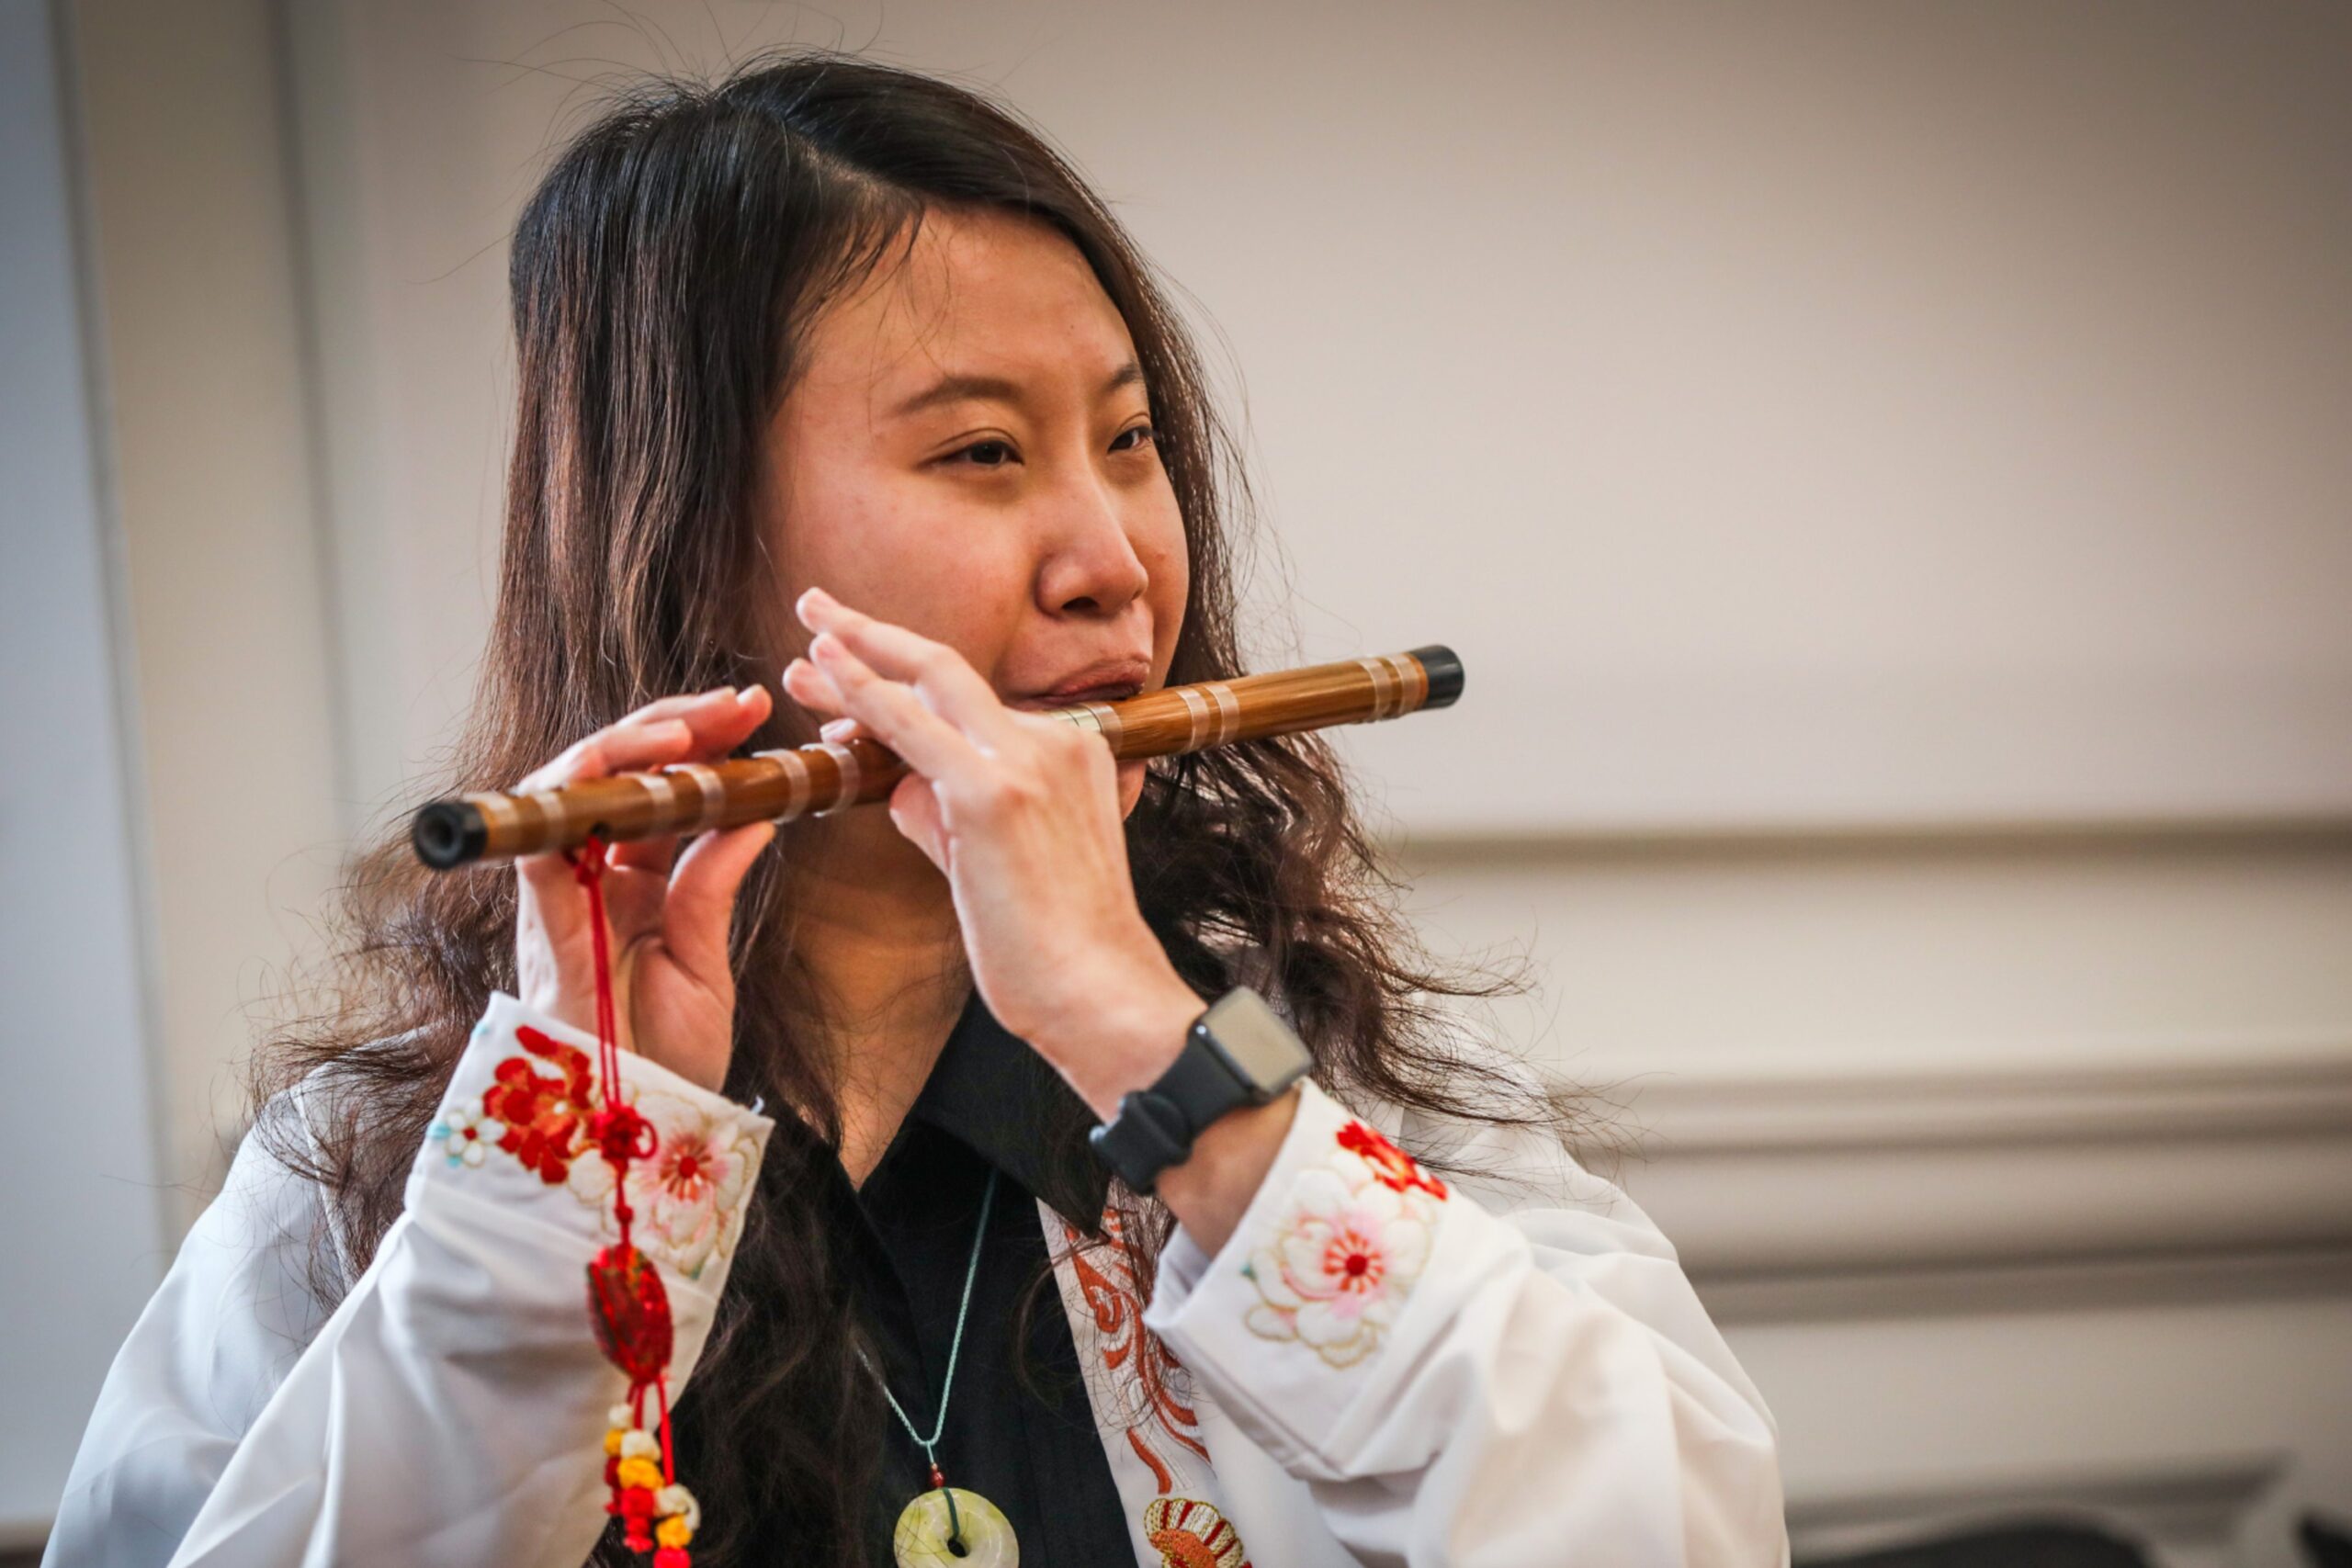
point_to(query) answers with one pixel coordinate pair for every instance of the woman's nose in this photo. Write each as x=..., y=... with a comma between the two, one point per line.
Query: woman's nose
x=1091, y=567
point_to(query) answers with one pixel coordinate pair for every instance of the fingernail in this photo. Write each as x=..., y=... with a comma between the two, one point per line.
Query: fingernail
x=823, y=646
x=834, y=728
x=748, y=693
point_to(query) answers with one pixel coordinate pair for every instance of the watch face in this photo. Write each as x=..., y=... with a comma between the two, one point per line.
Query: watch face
x=1257, y=1041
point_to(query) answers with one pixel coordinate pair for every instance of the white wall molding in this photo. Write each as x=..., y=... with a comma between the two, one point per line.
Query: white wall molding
x=1729, y=837
x=2064, y=1285
x=1832, y=1190
x=2216, y=1088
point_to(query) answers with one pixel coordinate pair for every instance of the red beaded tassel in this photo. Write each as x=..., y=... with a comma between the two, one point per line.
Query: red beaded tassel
x=626, y=1300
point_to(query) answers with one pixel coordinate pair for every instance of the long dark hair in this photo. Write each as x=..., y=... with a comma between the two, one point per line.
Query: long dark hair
x=662, y=274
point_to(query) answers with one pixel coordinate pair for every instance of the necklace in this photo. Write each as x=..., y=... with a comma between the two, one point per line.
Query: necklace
x=948, y=1527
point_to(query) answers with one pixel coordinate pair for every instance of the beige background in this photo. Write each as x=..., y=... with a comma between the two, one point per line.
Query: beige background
x=1884, y=468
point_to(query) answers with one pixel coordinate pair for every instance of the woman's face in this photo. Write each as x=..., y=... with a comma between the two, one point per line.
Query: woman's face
x=967, y=452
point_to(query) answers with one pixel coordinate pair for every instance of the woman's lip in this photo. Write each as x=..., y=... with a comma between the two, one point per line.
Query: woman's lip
x=1070, y=696
x=1106, y=681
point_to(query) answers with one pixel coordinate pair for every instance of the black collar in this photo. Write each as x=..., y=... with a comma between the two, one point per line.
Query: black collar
x=1004, y=1102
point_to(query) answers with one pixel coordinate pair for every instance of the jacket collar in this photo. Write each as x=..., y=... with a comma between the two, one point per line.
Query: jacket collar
x=1006, y=1103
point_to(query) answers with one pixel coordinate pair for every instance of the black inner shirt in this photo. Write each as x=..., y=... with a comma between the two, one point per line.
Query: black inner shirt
x=1019, y=1430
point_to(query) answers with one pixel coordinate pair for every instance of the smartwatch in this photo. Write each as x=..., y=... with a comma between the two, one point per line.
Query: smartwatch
x=1238, y=1052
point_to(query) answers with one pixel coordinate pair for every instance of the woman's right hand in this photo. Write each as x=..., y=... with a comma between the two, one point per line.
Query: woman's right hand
x=674, y=992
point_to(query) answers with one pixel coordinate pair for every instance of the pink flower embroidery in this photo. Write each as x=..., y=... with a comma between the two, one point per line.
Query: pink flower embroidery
x=689, y=1196
x=1334, y=1269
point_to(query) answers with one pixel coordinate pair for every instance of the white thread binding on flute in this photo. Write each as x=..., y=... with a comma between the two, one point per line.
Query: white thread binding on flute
x=795, y=775
x=1404, y=684
x=549, y=804
x=713, y=801
x=846, y=760
x=1228, y=711
x=498, y=812
x=1382, y=683
x=1416, y=683
x=1196, y=708
x=1107, y=720
x=1413, y=681
x=666, y=797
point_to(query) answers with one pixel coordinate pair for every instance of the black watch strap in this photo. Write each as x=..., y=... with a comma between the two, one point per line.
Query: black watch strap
x=1238, y=1052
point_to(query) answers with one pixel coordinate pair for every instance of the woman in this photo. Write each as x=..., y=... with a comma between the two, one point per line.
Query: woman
x=838, y=369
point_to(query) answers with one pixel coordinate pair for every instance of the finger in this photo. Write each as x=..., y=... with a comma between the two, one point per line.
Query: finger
x=715, y=720
x=812, y=689
x=914, y=811
x=615, y=749
x=724, y=725
x=722, y=719
x=674, y=730
x=946, y=679
x=896, y=714
x=702, y=897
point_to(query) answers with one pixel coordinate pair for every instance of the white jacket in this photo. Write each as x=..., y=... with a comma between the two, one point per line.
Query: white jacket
x=1379, y=1367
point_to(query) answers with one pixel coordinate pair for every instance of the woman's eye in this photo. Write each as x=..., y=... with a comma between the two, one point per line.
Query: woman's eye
x=987, y=454
x=1129, y=440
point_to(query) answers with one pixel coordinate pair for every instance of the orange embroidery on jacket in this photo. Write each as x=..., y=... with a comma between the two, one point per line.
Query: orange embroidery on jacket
x=1124, y=1345
x=1191, y=1534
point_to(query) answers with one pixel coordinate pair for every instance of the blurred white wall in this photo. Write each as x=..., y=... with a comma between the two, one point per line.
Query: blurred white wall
x=1885, y=470
x=78, y=1145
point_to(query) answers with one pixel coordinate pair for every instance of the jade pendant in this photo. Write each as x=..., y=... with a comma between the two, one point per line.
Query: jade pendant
x=921, y=1540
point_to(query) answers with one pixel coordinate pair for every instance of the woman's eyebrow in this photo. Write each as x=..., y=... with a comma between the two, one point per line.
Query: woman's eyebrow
x=957, y=389
x=995, y=388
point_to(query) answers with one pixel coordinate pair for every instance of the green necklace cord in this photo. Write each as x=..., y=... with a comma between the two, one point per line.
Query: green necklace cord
x=955, y=1351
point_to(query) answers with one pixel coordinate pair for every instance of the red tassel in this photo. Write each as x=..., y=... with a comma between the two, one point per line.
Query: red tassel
x=628, y=1304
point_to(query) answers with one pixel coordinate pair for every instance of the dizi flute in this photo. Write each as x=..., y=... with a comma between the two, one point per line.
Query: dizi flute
x=829, y=776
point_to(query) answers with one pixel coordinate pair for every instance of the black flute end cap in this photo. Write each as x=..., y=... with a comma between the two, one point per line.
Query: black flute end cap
x=1445, y=669
x=448, y=833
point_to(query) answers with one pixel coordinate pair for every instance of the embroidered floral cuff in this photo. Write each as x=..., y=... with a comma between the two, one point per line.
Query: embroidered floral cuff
x=1335, y=1280
x=513, y=1128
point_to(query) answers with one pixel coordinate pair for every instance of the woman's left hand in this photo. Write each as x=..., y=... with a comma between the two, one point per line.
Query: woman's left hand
x=1022, y=813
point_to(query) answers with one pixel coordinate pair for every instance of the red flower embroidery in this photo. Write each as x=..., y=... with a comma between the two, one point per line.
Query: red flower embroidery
x=545, y=1115
x=1394, y=1169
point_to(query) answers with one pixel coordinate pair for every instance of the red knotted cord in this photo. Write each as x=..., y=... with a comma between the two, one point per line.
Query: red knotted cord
x=640, y=1345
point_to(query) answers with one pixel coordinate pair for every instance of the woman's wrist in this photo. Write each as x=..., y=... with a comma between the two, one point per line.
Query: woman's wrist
x=1131, y=1040
x=1212, y=1189
x=1137, y=1036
